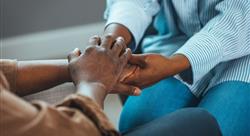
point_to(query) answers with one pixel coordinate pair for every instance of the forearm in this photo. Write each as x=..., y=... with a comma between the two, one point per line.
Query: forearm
x=179, y=63
x=38, y=75
x=173, y=65
x=117, y=30
x=94, y=90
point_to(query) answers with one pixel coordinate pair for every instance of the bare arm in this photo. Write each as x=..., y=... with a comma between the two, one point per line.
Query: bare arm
x=38, y=75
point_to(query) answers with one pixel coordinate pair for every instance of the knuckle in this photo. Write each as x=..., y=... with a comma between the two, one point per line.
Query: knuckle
x=108, y=37
x=95, y=37
x=102, y=51
x=89, y=49
x=119, y=45
x=127, y=53
x=93, y=40
x=120, y=38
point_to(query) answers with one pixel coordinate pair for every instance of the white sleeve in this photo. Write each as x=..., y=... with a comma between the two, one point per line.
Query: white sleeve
x=225, y=37
x=136, y=15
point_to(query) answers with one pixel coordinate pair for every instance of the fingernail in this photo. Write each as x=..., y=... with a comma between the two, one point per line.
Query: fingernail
x=76, y=50
x=120, y=38
x=137, y=91
x=96, y=36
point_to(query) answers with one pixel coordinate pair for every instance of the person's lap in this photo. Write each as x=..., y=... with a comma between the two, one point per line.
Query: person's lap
x=228, y=102
x=158, y=100
x=184, y=122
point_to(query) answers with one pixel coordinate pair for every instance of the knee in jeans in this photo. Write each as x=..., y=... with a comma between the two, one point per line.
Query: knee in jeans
x=203, y=115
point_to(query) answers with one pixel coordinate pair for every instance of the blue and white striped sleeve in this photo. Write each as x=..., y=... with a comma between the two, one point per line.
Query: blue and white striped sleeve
x=136, y=15
x=225, y=37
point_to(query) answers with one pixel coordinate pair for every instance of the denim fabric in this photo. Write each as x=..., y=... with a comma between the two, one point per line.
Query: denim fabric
x=228, y=102
x=184, y=122
x=160, y=99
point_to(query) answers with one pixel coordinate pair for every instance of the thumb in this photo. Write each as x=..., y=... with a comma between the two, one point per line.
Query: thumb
x=74, y=54
x=127, y=71
x=126, y=89
x=138, y=59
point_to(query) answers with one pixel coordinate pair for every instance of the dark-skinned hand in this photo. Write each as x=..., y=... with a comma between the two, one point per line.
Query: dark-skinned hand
x=153, y=68
x=102, y=64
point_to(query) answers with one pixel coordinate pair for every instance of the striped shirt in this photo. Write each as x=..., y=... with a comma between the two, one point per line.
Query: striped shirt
x=213, y=34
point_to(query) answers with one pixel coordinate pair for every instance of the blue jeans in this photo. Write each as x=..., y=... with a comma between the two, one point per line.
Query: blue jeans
x=183, y=122
x=228, y=102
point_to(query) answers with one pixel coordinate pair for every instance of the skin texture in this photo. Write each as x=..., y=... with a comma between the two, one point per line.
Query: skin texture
x=109, y=42
x=38, y=75
x=97, y=78
x=150, y=68
x=153, y=68
x=118, y=30
x=96, y=71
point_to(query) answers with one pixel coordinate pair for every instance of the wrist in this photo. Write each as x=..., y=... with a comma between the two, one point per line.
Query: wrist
x=91, y=86
x=94, y=90
x=179, y=63
x=65, y=74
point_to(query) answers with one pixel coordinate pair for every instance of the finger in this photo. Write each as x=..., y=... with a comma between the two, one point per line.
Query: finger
x=137, y=59
x=107, y=41
x=95, y=40
x=127, y=72
x=133, y=78
x=119, y=46
x=126, y=89
x=125, y=57
x=89, y=49
x=74, y=54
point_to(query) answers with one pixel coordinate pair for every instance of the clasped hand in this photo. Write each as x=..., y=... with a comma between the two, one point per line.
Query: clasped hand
x=108, y=62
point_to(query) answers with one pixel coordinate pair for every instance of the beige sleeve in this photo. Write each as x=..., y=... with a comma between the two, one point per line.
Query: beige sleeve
x=9, y=69
x=75, y=116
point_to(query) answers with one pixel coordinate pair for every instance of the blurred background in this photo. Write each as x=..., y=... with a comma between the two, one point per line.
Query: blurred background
x=49, y=29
